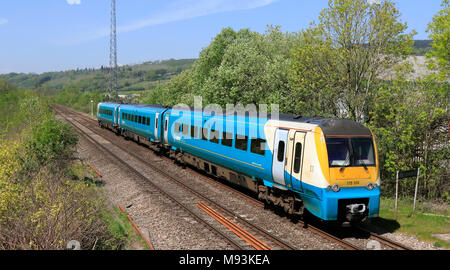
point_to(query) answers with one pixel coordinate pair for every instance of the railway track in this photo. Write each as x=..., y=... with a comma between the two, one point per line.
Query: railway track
x=324, y=234
x=255, y=230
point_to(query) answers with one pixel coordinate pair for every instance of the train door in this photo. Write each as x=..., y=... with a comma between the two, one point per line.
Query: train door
x=279, y=154
x=116, y=115
x=294, y=163
x=166, y=129
x=156, y=126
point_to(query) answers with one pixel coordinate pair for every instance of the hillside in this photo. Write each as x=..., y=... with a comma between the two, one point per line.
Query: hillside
x=138, y=77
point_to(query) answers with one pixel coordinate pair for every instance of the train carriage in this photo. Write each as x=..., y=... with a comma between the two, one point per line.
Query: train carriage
x=108, y=115
x=327, y=166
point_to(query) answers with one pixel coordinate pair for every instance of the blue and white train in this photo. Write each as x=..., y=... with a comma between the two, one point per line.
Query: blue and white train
x=327, y=166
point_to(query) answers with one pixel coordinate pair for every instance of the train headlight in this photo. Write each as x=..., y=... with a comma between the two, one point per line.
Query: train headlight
x=336, y=188
x=375, y=186
x=369, y=186
x=329, y=187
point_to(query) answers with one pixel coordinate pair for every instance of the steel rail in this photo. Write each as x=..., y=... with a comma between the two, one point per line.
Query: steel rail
x=161, y=191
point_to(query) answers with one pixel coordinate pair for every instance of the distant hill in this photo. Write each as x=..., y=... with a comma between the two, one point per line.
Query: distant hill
x=131, y=78
x=421, y=47
x=134, y=78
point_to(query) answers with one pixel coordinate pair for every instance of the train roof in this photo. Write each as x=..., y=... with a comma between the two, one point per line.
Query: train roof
x=329, y=126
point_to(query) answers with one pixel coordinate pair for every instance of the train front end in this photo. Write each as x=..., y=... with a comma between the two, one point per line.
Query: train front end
x=349, y=162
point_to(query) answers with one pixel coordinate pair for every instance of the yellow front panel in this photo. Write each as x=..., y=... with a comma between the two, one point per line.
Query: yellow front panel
x=352, y=176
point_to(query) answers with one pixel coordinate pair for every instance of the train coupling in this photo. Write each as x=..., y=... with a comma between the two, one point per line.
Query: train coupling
x=356, y=212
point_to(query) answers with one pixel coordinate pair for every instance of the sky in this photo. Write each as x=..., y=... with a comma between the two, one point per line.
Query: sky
x=56, y=35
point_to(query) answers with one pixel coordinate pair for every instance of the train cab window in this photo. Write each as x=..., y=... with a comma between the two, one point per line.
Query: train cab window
x=258, y=146
x=297, y=157
x=280, y=155
x=204, y=133
x=214, y=136
x=227, y=139
x=241, y=142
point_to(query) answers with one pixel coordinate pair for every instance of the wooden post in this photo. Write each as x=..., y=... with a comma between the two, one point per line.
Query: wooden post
x=417, y=185
x=396, y=196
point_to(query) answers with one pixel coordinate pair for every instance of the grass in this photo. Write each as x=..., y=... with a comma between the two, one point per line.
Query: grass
x=424, y=222
x=125, y=236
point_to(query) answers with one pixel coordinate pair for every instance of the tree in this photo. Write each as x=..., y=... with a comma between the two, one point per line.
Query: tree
x=254, y=69
x=410, y=121
x=440, y=34
x=346, y=54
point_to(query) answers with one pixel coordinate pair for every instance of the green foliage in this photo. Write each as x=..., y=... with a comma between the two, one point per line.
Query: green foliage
x=41, y=205
x=237, y=67
x=80, y=101
x=50, y=144
x=440, y=34
x=409, y=121
x=345, y=54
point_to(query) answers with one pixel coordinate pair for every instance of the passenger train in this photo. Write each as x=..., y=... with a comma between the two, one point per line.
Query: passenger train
x=327, y=166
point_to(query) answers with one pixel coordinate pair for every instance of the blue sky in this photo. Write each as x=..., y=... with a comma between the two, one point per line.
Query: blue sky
x=55, y=35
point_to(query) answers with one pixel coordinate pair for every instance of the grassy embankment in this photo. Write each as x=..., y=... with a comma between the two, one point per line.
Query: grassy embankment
x=48, y=197
x=426, y=221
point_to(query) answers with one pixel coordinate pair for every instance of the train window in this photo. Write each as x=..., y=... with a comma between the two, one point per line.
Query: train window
x=280, y=155
x=148, y=121
x=241, y=142
x=185, y=129
x=204, y=134
x=177, y=127
x=214, y=136
x=193, y=131
x=297, y=157
x=258, y=146
x=140, y=119
x=227, y=139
